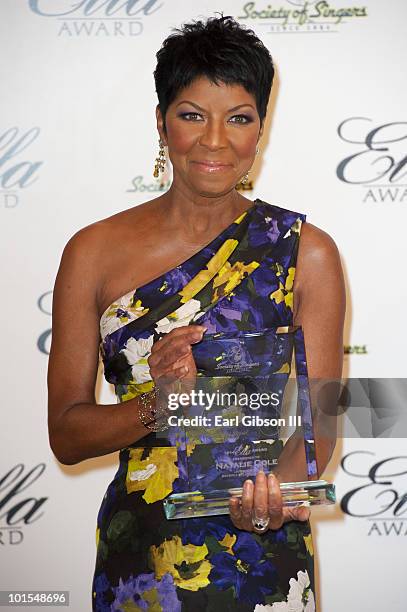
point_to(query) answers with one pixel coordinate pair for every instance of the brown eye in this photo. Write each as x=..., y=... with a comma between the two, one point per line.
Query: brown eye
x=241, y=119
x=190, y=116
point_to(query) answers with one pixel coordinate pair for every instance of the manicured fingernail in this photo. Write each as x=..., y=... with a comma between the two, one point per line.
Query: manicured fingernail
x=272, y=481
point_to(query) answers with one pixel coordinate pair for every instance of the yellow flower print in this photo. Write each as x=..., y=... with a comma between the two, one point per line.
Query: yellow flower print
x=285, y=292
x=290, y=279
x=125, y=309
x=285, y=369
x=135, y=307
x=191, y=445
x=151, y=597
x=240, y=219
x=185, y=562
x=277, y=268
x=295, y=228
x=228, y=542
x=97, y=536
x=154, y=475
x=135, y=389
x=204, y=276
x=229, y=277
x=308, y=544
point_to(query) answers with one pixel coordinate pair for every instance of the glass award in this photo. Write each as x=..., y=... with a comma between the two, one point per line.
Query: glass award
x=236, y=418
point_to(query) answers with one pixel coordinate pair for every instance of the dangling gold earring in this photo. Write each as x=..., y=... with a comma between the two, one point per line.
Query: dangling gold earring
x=160, y=160
x=243, y=181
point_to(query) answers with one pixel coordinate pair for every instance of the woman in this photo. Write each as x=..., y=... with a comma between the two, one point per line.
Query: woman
x=201, y=257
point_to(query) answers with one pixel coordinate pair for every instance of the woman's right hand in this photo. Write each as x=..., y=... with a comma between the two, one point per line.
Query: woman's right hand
x=171, y=357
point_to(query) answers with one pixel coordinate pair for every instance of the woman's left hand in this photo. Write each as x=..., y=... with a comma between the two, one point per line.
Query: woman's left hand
x=263, y=500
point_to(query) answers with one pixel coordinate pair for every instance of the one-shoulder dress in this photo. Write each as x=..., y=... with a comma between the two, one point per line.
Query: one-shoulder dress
x=241, y=281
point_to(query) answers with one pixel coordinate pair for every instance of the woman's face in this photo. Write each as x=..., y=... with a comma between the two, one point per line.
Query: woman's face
x=211, y=133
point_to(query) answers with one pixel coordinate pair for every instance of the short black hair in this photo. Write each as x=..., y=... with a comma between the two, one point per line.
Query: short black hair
x=221, y=50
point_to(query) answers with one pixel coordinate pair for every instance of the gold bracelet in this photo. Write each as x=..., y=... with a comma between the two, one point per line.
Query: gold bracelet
x=151, y=414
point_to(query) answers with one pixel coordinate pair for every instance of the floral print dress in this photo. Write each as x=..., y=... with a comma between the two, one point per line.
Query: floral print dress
x=243, y=280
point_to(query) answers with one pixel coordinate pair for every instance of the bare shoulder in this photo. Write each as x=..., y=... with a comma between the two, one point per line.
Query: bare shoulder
x=87, y=241
x=315, y=245
x=318, y=267
x=97, y=241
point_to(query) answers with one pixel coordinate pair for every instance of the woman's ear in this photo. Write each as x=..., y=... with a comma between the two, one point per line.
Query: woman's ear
x=160, y=124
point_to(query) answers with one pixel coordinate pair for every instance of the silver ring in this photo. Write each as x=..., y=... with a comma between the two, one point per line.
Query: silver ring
x=260, y=524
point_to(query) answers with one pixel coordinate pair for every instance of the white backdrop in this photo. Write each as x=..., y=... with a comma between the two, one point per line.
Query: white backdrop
x=78, y=143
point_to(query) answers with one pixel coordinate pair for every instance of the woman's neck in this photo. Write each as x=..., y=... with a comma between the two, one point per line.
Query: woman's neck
x=200, y=216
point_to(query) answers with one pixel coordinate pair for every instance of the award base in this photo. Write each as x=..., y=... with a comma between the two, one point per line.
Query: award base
x=197, y=504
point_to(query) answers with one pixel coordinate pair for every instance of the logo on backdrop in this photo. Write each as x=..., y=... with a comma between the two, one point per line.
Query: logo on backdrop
x=355, y=349
x=16, y=171
x=44, y=303
x=379, y=494
x=300, y=16
x=377, y=162
x=138, y=184
x=19, y=508
x=101, y=18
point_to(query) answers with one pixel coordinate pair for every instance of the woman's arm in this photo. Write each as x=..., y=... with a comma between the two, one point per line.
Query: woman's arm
x=79, y=428
x=319, y=307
